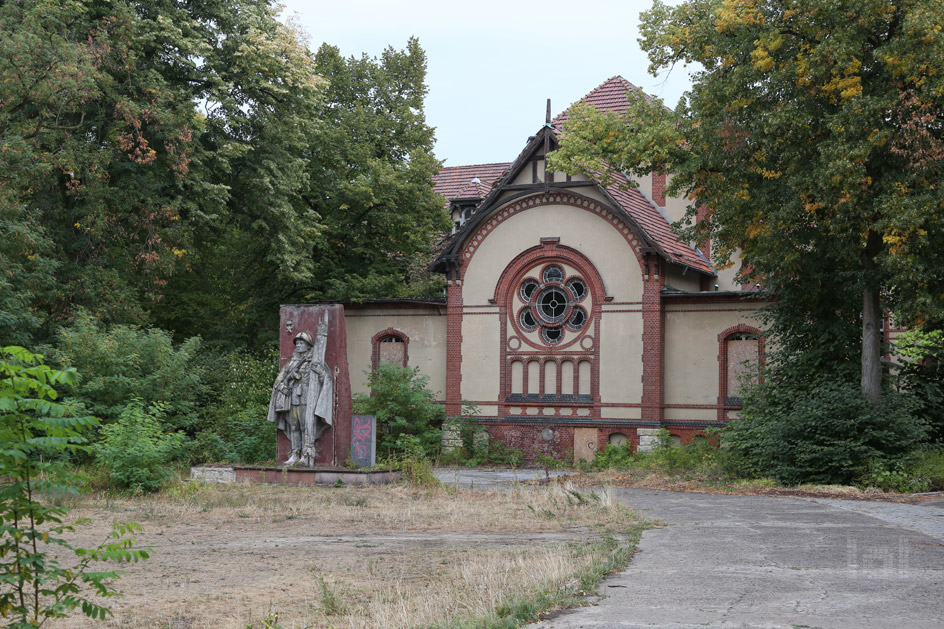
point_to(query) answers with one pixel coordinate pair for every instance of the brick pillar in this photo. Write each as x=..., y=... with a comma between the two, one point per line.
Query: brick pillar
x=702, y=214
x=653, y=339
x=658, y=189
x=454, y=342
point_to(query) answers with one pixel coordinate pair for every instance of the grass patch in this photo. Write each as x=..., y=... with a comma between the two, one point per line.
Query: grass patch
x=393, y=556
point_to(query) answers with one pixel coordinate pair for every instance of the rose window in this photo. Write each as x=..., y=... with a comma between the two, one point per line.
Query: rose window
x=552, y=304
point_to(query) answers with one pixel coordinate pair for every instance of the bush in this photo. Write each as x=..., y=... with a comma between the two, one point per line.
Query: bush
x=35, y=432
x=237, y=430
x=136, y=451
x=922, y=376
x=120, y=363
x=698, y=457
x=403, y=406
x=824, y=433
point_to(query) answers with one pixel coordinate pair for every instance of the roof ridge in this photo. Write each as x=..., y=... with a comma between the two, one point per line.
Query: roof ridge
x=475, y=165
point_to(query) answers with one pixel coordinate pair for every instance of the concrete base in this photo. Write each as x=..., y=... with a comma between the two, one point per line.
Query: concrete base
x=292, y=475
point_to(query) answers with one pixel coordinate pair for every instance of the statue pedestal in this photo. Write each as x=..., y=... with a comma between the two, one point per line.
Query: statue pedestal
x=334, y=446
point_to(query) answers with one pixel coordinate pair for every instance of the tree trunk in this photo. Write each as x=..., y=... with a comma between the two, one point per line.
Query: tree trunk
x=871, y=345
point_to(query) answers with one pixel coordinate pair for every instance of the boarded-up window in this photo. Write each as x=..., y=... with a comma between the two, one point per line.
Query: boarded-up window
x=393, y=350
x=742, y=354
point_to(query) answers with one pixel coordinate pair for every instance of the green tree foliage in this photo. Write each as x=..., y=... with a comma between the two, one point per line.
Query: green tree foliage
x=135, y=450
x=237, y=429
x=131, y=134
x=922, y=376
x=371, y=167
x=826, y=432
x=814, y=133
x=407, y=416
x=122, y=363
x=35, y=433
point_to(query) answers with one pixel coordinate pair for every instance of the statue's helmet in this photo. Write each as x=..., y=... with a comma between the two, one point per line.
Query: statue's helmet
x=304, y=336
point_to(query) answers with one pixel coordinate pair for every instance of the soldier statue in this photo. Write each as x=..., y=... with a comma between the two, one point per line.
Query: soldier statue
x=302, y=402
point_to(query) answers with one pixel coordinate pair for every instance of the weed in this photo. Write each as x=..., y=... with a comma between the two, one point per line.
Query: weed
x=331, y=603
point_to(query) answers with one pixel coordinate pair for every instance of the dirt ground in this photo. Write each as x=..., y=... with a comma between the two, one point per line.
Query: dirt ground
x=231, y=556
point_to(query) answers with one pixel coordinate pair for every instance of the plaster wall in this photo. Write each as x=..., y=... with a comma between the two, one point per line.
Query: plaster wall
x=645, y=185
x=675, y=207
x=691, y=349
x=688, y=281
x=621, y=357
x=426, y=329
x=576, y=228
x=481, y=363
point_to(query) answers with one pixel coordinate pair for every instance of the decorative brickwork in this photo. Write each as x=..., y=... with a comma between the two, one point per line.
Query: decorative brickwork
x=378, y=338
x=554, y=198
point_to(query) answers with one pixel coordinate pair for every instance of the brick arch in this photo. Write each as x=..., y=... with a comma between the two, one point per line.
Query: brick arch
x=375, y=346
x=499, y=216
x=741, y=328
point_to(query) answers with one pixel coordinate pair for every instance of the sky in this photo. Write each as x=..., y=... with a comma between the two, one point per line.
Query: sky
x=493, y=64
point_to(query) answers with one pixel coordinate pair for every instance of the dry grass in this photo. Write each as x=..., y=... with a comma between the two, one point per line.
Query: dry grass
x=231, y=555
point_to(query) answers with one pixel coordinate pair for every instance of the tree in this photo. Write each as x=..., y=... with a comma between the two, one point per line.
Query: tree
x=133, y=133
x=371, y=166
x=814, y=133
x=407, y=415
x=35, y=433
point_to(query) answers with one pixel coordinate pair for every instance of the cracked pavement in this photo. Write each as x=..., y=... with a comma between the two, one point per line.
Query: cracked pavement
x=755, y=561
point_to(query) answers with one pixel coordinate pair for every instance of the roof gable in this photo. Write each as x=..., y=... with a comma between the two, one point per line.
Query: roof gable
x=652, y=227
x=608, y=96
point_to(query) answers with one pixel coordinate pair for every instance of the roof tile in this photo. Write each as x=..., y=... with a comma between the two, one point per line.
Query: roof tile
x=454, y=182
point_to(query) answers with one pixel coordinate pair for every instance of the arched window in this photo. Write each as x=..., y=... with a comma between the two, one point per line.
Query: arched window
x=740, y=358
x=390, y=346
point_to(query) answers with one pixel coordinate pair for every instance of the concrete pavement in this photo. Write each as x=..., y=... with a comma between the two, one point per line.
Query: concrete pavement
x=751, y=561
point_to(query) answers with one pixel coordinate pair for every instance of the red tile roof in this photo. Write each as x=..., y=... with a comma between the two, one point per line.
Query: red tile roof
x=455, y=182
x=608, y=96
x=655, y=225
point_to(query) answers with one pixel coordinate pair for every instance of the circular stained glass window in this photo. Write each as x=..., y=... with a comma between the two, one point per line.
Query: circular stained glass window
x=553, y=273
x=577, y=288
x=577, y=318
x=527, y=289
x=526, y=319
x=551, y=304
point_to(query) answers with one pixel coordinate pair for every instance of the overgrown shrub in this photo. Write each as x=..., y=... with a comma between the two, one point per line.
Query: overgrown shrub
x=236, y=428
x=403, y=406
x=826, y=432
x=928, y=466
x=471, y=445
x=922, y=377
x=699, y=457
x=136, y=451
x=120, y=363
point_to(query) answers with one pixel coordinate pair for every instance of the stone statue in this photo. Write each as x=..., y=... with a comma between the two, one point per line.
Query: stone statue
x=302, y=402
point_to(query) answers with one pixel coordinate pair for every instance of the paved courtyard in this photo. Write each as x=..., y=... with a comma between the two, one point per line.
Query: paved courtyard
x=753, y=561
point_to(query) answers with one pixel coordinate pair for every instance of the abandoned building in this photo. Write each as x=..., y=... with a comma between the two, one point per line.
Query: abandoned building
x=574, y=316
